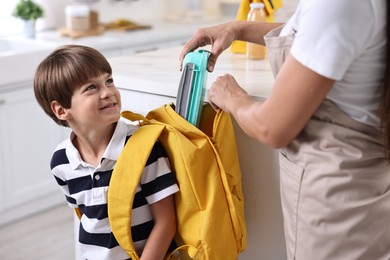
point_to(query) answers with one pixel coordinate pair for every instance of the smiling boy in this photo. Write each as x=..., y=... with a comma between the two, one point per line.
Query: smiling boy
x=74, y=86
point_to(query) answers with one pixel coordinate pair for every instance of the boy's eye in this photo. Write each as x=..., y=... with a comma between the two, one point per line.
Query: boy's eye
x=90, y=87
x=110, y=81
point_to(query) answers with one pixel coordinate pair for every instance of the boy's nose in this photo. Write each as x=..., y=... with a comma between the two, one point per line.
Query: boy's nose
x=106, y=92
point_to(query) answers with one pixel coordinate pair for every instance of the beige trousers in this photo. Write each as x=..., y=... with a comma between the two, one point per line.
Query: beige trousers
x=335, y=184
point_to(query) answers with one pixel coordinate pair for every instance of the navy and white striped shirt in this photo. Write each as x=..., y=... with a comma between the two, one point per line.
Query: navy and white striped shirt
x=85, y=186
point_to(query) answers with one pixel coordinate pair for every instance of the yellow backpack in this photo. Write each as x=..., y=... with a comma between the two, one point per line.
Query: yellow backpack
x=210, y=203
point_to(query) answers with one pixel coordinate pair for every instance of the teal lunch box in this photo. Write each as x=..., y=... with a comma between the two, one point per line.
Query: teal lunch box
x=192, y=86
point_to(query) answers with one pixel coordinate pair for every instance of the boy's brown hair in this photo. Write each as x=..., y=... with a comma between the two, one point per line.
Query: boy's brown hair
x=65, y=70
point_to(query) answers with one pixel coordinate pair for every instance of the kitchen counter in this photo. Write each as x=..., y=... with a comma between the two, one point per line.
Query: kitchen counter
x=161, y=32
x=148, y=80
x=157, y=72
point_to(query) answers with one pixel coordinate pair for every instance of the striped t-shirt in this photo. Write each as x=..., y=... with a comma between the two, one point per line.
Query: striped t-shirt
x=85, y=186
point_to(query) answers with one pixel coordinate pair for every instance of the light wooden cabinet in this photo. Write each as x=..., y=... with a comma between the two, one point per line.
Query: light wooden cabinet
x=27, y=140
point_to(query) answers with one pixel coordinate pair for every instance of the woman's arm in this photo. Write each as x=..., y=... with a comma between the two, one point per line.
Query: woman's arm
x=253, y=31
x=220, y=37
x=164, y=229
x=297, y=93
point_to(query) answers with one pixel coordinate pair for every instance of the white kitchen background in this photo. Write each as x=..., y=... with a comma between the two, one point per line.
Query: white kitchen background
x=14, y=203
x=138, y=10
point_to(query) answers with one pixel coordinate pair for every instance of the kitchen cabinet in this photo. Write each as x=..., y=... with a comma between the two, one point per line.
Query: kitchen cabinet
x=27, y=138
x=140, y=102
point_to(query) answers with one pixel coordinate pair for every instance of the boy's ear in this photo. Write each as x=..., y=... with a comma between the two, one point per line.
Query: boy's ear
x=59, y=110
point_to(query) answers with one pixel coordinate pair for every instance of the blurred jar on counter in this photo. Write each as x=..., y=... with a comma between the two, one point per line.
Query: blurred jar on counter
x=257, y=14
x=77, y=17
x=80, y=16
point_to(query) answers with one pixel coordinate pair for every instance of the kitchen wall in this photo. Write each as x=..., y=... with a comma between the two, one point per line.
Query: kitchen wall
x=282, y=14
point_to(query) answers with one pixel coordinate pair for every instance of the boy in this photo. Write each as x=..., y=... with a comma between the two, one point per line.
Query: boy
x=75, y=88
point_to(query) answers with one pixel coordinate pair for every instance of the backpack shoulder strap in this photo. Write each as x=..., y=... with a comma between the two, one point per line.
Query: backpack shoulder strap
x=124, y=180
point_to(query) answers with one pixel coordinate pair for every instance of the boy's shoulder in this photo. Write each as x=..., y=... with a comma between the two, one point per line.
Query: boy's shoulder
x=157, y=150
x=59, y=154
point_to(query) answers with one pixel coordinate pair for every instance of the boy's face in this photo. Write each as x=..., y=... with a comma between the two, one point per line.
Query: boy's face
x=95, y=104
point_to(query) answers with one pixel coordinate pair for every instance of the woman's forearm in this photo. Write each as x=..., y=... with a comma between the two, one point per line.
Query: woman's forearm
x=253, y=31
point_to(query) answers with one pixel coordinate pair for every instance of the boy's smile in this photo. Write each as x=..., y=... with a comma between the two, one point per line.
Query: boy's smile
x=95, y=104
x=109, y=106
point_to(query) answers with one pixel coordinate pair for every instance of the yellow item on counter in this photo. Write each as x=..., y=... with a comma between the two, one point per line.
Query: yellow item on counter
x=269, y=5
x=125, y=25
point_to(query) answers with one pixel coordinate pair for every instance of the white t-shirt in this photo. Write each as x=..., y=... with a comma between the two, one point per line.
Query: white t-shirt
x=344, y=40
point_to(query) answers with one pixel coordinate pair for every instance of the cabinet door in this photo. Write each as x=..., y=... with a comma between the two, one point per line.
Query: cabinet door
x=27, y=138
x=142, y=103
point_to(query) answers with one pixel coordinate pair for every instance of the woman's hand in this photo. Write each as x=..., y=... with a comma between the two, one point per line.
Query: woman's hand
x=220, y=37
x=225, y=93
